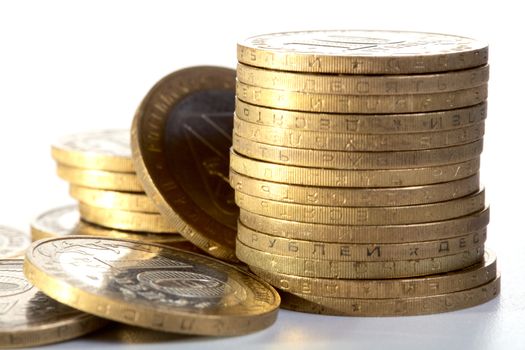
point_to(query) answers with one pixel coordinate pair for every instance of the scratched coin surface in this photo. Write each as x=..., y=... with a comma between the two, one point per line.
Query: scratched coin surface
x=362, y=52
x=28, y=317
x=98, y=150
x=151, y=286
x=181, y=136
x=13, y=243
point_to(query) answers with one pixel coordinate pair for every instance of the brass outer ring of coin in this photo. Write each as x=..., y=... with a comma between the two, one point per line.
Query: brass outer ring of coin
x=354, y=197
x=13, y=242
x=52, y=327
x=362, y=123
x=151, y=160
x=398, y=215
x=259, y=312
x=100, y=179
x=126, y=220
x=92, y=160
x=299, y=51
x=423, y=305
x=390, y=234
x=357, y=269
x=352, y=84
x=357, y=142
x=357, y=160
x=113, y=199
x=470, y=277
x=298, y=175
x=359, y=252
x=367, y=104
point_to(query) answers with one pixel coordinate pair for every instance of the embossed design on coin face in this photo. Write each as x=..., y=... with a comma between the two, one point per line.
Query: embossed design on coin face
x=56, y=222
x=29, y=317
x=13, y=243
x=151, y=286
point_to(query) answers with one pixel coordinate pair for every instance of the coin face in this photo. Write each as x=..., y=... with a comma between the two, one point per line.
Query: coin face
x=28, y=317
x=56, y=222
x=151, y=286
x=362, y=52
x=181, y=136
x=13, y=243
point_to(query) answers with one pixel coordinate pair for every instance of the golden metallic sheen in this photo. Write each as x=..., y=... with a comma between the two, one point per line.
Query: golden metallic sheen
x=100, y=179
x=128, y=201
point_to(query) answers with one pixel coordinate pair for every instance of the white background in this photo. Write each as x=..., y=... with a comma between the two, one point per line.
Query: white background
x=70, y=66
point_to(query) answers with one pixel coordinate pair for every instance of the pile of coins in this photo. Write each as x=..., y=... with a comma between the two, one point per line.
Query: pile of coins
x=355, y=164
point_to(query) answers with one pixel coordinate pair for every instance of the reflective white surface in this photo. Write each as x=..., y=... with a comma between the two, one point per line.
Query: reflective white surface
x=69, y=66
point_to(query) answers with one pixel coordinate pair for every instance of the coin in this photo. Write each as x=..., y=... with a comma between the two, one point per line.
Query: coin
x=362, y=52
x=126, y=220
x=100, y=179
x=393, y=307
x=470, y=277
x=351, y=178
x=30, y=318
x=113, y=199
x=358, y=252
x=100, y=150
x=13, y=243
x=363, y=84
x=362, y=123
x=181, y=135
x=409, y=214
x=356, y=197
x=357, y=269
x=357, y=160
x=319, y=140
x=366, y=234
x=151, y=286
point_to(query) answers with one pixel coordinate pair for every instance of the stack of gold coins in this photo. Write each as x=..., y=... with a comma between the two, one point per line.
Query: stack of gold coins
x=355, y=164
x=102, y=178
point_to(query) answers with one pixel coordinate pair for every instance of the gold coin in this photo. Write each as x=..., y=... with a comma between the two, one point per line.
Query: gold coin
x=367, y=104
x=359, y=252
x=13, y=243
x=351, y=178
x=357, y=269
x=470, y=277
x=100, y=179
x=30, y=318
x=152, y=286
x=393, y=307
x=113, y=199
x=354, y=197
x=363, y=84
x=409, y=214
x=319, y=140
x=357, y=160
x=101, y=150
x=362, y=123
x=181, y=136
x=366, y=234
x=126, y=220
x=362, y=52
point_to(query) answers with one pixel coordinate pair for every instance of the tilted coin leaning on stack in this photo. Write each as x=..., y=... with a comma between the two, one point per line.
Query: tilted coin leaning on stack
x=355, y=164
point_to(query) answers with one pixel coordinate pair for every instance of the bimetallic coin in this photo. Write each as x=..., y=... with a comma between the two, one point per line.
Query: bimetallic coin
x=338, y=84
x=100, y=150
x=181, y=137
x=395, y=306
x=151, y=286
x=362, y=52
x=13, y=243
x=128, y=201
x=101, y=179
x=30, y=318
x=470, y=277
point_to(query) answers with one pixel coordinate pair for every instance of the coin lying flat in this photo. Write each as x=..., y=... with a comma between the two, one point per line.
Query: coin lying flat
x=151, y=286
x=362, y=52
x=100, y=150
x=13, y=243
x=30, y=318
x=130, y=201
x=470, y=277
x=101, y=179
x=181, y=136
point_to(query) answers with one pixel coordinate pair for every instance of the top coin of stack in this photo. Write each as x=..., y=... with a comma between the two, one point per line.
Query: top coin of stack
x=355, y=157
